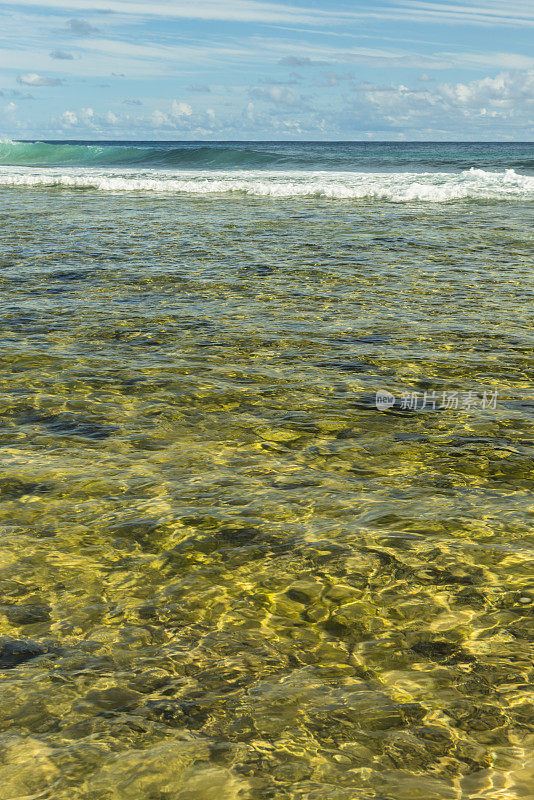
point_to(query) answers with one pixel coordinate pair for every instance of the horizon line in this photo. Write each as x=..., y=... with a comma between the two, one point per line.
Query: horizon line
x=276, y=141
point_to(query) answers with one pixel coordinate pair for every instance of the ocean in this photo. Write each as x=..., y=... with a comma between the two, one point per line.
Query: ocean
x=344, y=171
x=267, y=436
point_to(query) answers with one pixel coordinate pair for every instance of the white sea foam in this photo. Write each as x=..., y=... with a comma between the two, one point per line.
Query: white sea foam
x=441, y=187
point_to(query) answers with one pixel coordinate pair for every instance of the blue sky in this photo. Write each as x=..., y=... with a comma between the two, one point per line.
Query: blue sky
x=241, y=69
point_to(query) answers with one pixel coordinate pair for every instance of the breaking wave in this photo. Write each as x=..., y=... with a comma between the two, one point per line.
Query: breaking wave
x=266, y=156
x=433, y=187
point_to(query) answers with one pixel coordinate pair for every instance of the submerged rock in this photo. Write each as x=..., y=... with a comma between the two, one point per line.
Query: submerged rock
x=12, y=488
x=27, y=614
x=69, y=424
x=16, y=651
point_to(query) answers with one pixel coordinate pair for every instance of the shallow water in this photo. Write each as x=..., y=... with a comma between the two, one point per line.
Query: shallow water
x=252, y=583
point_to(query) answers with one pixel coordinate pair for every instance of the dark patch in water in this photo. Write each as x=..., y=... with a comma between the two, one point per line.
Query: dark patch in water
x=374, y=338
x=176, y=713
x=285, y=485
x=441, y=651
x=345, y=366
x=27, y=614
x=519, y=405
x=212, y=344
x=468, y=441
x=16, y=651
x=259, y=269
x=67, y=424
x=71, y=275
x=12, y=488
x=368, y=403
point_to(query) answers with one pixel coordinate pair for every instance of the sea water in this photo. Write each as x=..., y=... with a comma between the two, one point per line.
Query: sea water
x=226, y=570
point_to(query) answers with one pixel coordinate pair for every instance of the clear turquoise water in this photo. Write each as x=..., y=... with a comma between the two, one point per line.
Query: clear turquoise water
x=366, y=156
x=228, y=574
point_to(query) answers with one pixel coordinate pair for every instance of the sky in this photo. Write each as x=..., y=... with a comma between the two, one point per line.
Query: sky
x=248, y=69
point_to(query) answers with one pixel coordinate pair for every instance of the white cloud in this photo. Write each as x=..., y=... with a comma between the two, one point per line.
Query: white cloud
x=68, y=118
x=231, y=10
x=158, y=119
x=469, y=12
x=491, y=59
x=84, y=118
x=151, y=58
x=332, y=79
x=276, y=94
x=33, y=79
x=179, y=118
x=109, y=121
x=295, y=61
x=508, y=91
x=180, y=109
x=304, y=53
x=506, y=100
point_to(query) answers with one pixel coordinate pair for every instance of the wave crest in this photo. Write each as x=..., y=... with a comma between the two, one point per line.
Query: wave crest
x=473, y=184
x=266, y=156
